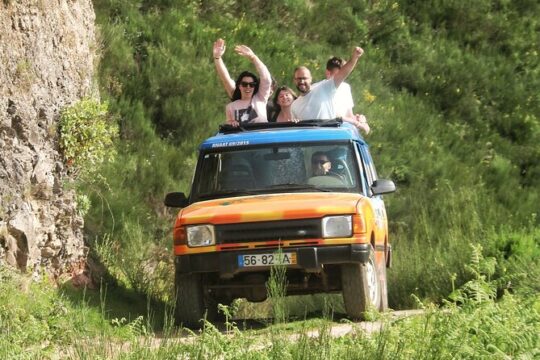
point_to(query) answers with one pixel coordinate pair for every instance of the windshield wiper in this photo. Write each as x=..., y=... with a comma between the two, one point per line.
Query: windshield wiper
x=287, y=186
x=219, y=194
x=294, y=186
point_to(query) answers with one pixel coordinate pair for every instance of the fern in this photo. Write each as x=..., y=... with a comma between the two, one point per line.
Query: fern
x=480, y=288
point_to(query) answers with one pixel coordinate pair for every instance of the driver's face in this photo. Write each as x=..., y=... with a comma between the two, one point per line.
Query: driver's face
x=323, y=163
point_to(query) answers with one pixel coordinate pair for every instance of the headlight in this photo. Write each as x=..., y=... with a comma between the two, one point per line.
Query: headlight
x=337, y=226
x=200, y=235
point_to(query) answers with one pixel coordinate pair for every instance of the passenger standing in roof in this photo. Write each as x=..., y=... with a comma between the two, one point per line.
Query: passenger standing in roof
x=249, y=97
x=282, y=104
x=317, y=102
x=343, y=101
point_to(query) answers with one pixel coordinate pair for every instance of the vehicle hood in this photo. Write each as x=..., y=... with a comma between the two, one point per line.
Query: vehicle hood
x=268, y=208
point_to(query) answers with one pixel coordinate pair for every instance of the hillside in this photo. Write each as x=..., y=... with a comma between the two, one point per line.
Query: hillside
x=450, y=89
x=453, y=106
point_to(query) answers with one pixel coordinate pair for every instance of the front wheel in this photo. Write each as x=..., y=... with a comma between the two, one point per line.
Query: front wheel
x=361, y=287
x=191, y=303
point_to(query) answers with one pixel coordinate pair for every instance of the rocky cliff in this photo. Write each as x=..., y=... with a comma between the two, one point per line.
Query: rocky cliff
x=46, y=62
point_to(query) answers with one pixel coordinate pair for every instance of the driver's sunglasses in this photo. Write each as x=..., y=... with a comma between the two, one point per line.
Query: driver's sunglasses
x=248, y=84
x=321, y=162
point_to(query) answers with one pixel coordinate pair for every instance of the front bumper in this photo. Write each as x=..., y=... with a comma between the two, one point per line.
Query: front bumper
x=309, y=259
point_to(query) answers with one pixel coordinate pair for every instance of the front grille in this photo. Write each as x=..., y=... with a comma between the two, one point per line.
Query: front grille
x=269, y=230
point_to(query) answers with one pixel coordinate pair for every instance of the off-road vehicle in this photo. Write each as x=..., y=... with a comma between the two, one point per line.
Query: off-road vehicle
x=257, y=200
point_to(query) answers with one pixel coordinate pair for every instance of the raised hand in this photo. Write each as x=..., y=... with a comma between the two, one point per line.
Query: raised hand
x=245, y=51
x=357, y=52
x=219, y=48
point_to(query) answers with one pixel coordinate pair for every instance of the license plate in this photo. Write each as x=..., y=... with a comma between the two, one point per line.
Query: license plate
x=267, y=259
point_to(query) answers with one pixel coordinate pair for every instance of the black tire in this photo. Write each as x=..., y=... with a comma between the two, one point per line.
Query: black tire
x=191, y=303
x=361, y=287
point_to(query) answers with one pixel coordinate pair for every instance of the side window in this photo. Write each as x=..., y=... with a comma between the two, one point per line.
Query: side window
x=210, y=165
x=367, y=165
x=363, y=171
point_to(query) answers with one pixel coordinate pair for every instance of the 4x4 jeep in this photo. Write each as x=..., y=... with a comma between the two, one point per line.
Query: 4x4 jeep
x=259, y=199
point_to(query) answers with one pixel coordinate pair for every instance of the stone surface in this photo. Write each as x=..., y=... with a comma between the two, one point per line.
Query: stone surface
x=47, y=62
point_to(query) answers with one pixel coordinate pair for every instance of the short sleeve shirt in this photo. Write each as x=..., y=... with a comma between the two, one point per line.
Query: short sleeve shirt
x=343, y=100
x=248, y=111
x=254, y=110
x=317, y=104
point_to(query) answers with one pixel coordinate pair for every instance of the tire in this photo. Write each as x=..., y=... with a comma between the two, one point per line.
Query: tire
x=361, y=287
x=191, y=303
x=381, y=272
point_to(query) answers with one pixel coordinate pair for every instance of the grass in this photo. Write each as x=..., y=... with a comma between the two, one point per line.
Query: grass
x=40, y=322
x=453, y=109
x=454, y=112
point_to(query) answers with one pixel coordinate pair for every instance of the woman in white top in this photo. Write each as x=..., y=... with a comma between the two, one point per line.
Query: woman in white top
x=250, y=95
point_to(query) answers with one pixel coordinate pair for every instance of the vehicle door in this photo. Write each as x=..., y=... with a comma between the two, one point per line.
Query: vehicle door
x=369, y=175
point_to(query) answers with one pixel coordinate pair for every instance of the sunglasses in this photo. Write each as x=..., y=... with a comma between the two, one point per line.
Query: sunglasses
x=321, y=162
x=248, y=84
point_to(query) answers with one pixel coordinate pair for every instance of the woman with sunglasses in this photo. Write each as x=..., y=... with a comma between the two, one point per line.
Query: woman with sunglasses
x=282, y=104
x=250, y=96
x=322, y=166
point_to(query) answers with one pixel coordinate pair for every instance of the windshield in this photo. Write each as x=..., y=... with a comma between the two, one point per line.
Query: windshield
x=276, y=169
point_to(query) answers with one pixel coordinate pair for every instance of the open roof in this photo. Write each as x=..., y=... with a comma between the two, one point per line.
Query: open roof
x=273, y=133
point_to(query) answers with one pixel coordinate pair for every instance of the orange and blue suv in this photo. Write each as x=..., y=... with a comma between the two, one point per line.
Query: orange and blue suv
x=305, y=196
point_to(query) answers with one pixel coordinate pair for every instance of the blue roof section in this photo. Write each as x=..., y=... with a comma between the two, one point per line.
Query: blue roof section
x=282, y=135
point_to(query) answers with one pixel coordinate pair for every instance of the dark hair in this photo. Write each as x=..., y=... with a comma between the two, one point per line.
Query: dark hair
x=334, y=63
x=274, y=84
x=318, y=170
x=277, y=107
x=236, y=94
x=318, y=154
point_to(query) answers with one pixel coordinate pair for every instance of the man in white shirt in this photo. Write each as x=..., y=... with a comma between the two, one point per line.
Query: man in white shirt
x=317, y=102
x=343, y=100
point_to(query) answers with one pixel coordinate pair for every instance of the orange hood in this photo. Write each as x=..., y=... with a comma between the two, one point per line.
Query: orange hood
x=268, y=207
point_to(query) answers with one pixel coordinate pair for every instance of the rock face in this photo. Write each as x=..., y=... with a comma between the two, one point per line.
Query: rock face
x=46, y=63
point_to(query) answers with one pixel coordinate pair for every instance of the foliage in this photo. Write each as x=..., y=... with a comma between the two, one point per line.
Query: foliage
x=86, y=135
x=276, y=287
x=41, y=323
x=36, y=320
x=450, y=90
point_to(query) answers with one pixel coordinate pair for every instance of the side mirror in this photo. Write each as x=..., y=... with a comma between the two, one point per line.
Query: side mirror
x=176, y=200
x=382, y=186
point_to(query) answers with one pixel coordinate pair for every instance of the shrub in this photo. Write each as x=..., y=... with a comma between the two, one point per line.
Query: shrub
x=86, y=135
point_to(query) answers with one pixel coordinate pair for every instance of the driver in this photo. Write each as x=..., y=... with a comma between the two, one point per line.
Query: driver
x=321, y=165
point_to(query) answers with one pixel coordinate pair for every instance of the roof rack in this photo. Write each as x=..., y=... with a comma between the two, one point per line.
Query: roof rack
x=227, y=129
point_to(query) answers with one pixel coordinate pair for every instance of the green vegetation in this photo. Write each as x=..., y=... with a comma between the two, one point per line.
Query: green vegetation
x=39, y=323
x=276, y=290
x=86, y=136
x=451, y=90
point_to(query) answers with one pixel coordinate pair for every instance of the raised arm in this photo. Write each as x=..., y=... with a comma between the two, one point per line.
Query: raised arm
x=226, y=80
x=348, y=67
x=262, y=70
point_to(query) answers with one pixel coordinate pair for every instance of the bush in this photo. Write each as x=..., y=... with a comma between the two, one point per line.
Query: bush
x=450, y=92
x=87, y=134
